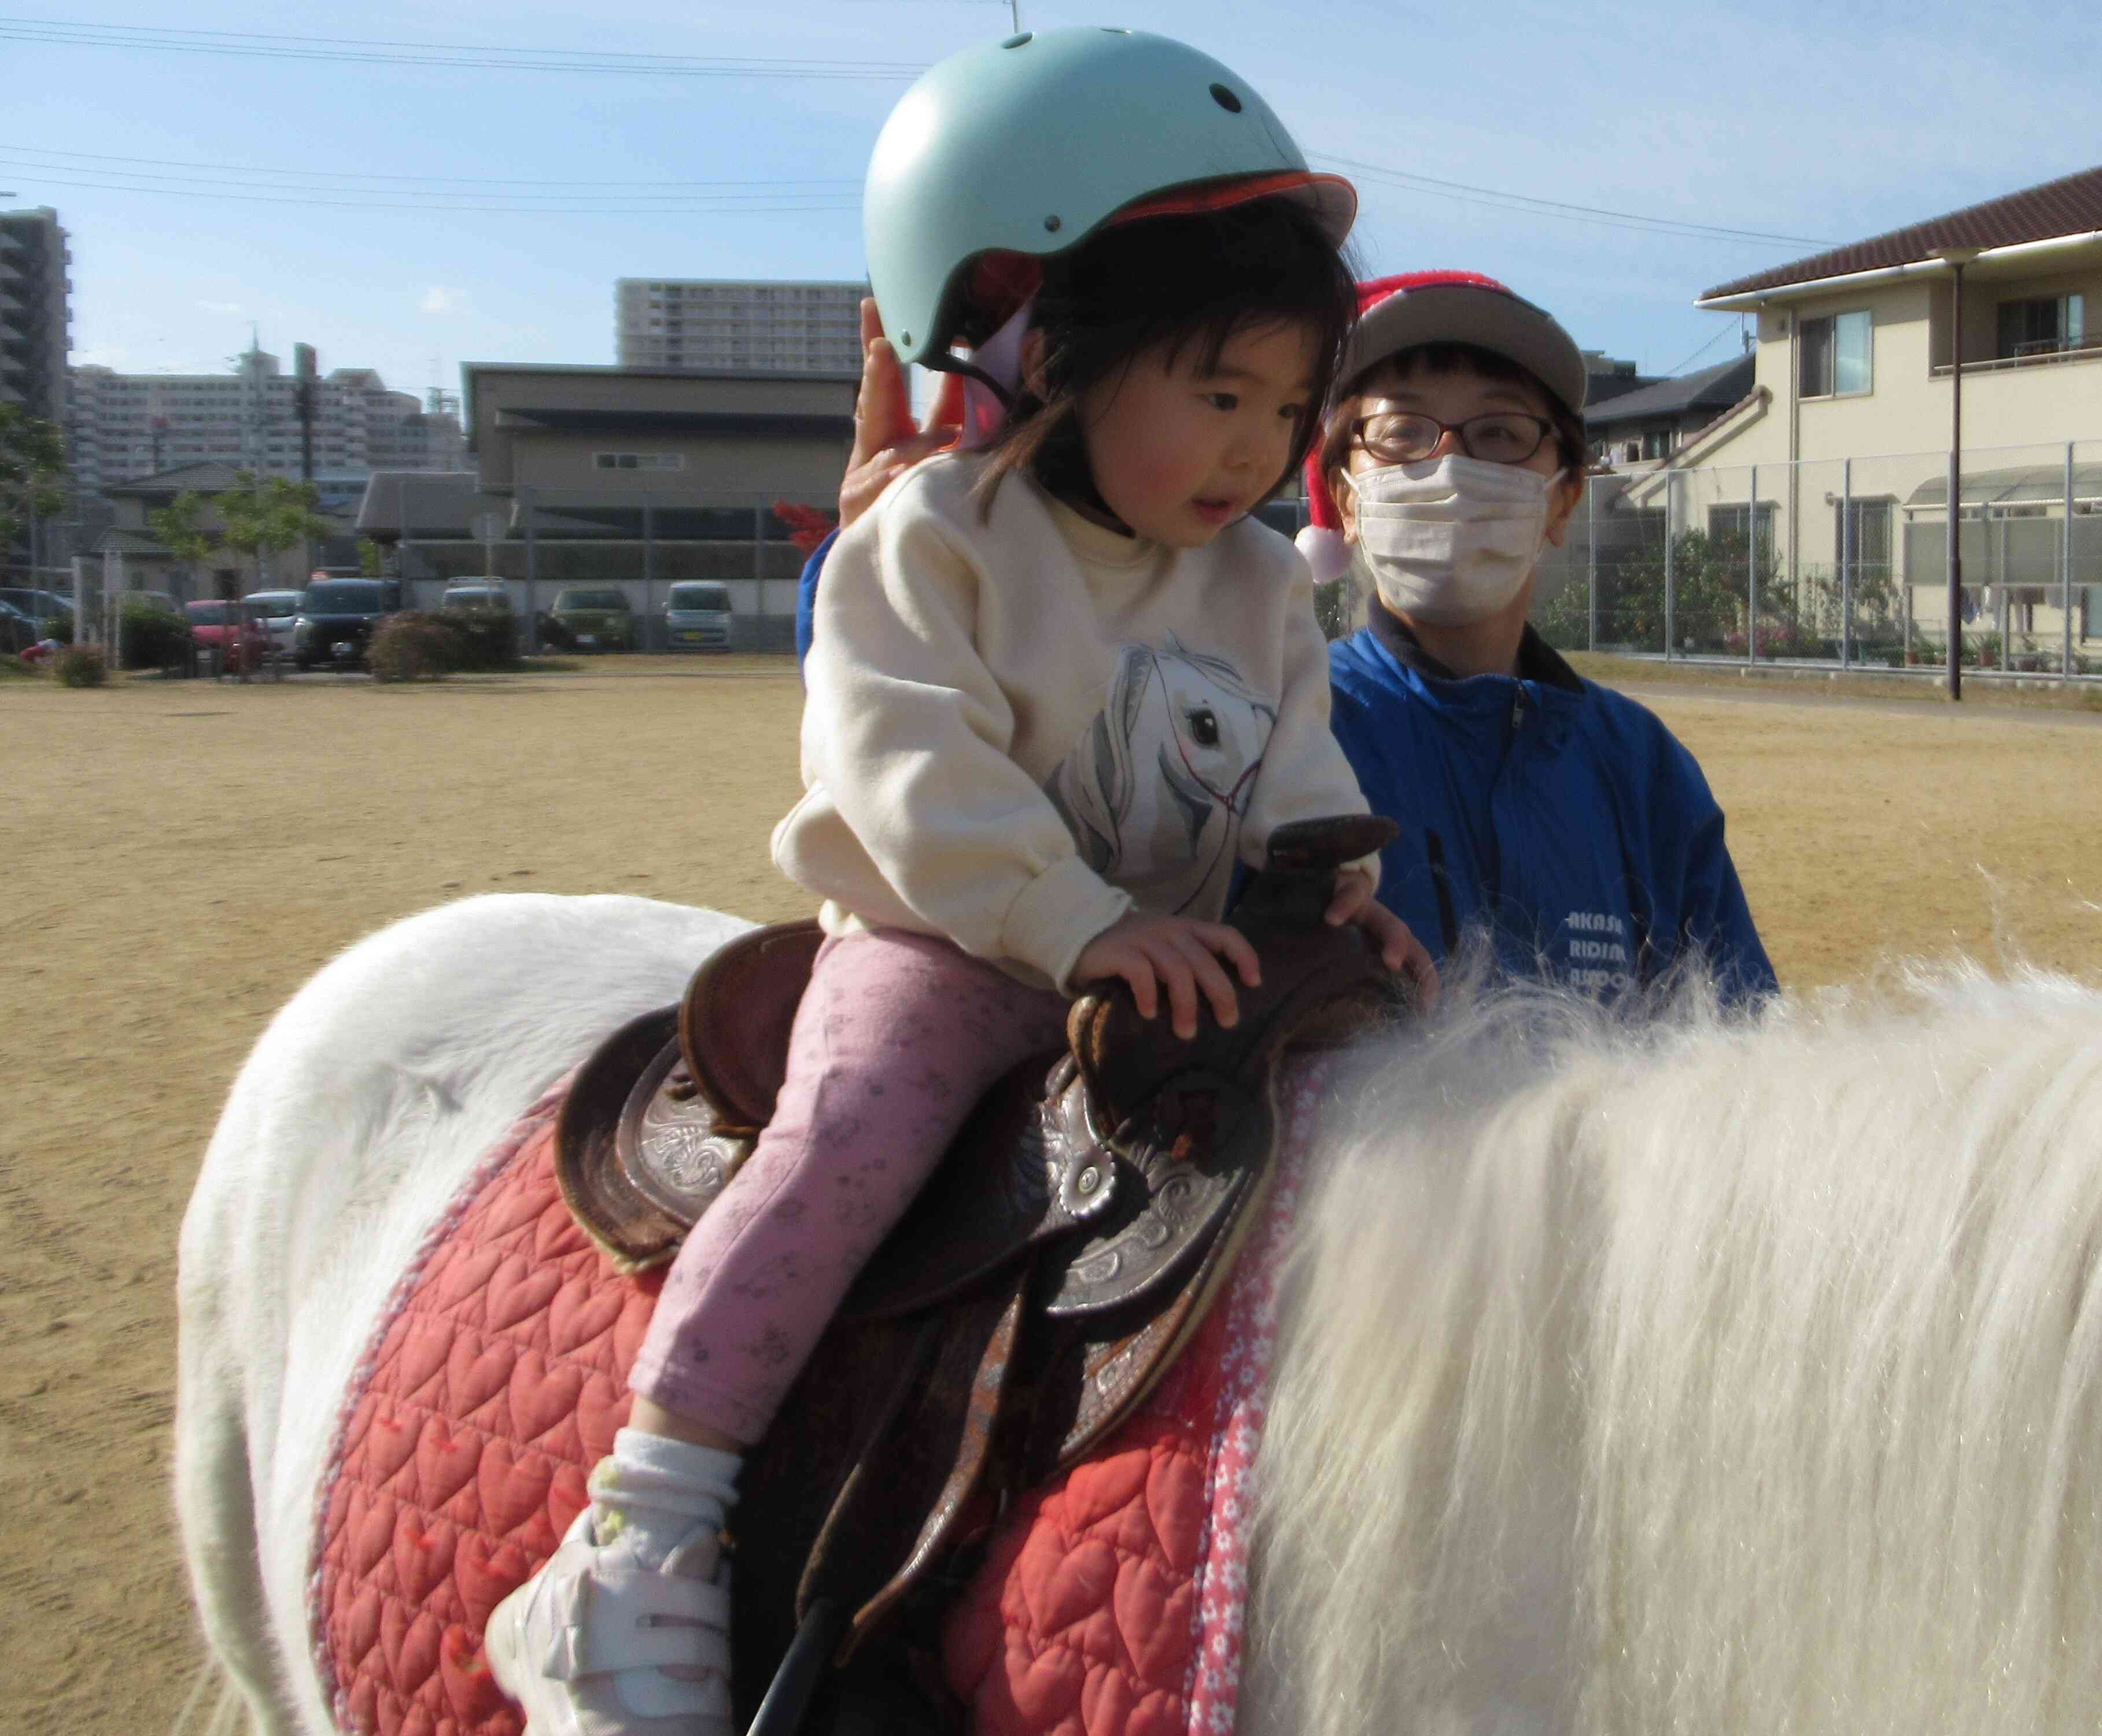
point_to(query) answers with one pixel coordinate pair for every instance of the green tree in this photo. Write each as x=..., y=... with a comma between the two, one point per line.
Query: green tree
x=175, y=525
x=371, y=557
x=1709, y=575
x=263, y=517
x=32, y=461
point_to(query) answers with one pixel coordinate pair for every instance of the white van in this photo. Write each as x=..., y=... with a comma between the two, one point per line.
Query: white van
x=697, y=616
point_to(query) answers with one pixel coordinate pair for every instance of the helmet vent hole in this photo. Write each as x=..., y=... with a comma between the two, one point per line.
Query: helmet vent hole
x=1225, y=99
x=1054, y=223
x=905, y=337
x=1021, y=40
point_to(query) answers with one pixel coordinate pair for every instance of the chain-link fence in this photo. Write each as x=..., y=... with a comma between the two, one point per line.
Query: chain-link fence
x=577, y=558
x=1841, y=562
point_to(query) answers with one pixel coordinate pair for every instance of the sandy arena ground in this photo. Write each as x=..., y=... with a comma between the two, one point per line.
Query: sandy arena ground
x=180, y=855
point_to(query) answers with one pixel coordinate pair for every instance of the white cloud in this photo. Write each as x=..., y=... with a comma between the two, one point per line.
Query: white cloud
x=223, y=307
x=438, y=299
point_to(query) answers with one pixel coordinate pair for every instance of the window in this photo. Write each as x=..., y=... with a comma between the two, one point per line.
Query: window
x=2042, y=326
x=1861, y=531
x=1656, y=442
x=639, y=460
x=1731, y=520
x=1834, y=355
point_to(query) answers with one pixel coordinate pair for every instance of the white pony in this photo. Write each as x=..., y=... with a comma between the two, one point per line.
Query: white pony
x=1658, y=1372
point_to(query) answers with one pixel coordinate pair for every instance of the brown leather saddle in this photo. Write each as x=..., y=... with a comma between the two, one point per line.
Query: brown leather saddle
x=1060, y=1257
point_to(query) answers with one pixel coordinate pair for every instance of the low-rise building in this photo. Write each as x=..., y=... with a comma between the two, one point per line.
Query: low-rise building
x=1649, y=424
x=134, y=558
x=627, y=478
x=1828, y=483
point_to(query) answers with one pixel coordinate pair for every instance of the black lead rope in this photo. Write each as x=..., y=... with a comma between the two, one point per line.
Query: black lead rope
x=796, y=1683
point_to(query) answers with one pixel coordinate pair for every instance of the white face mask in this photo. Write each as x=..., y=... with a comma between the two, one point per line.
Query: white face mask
x=1451, y=540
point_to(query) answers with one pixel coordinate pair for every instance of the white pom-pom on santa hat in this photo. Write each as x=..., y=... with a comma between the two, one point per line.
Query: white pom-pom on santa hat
x=1321, y=543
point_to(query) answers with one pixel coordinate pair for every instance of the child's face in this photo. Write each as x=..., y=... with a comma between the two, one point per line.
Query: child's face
x=1179, y=451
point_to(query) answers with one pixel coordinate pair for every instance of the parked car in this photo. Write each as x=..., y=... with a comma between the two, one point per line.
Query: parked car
x=336, y=618
x=37, y=606
x=18, y=631
x=280, y=611
x=478, y=595
x=234, y=635
x=697, y=616
x=590, y=620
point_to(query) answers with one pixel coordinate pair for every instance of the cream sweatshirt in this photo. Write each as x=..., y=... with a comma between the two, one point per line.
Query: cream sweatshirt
x=1018, y=726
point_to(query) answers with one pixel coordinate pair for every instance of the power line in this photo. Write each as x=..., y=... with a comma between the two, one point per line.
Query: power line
x=20, y=154
x=1721, y=333
x=728, y=205
x=256, y=45
x=1466, y=193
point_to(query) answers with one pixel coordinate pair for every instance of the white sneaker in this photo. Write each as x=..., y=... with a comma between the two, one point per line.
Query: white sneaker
x=598, y=1643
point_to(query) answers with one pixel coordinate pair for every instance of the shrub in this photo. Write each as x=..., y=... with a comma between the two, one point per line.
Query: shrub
x=488, y=637
x=147, y=634
x=416, y=645
x=80, y=666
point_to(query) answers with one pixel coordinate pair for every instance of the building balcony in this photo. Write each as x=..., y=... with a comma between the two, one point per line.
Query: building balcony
x=2048, y=352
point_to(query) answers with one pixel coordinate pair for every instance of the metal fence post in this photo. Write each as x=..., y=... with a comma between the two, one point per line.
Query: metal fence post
x=2066, y=578
x=1752, y=571
x=529, y=625
x=642, y=633
x=1670, y=623
x=1591, y=554
x=1846, y=562
x=1954, y=650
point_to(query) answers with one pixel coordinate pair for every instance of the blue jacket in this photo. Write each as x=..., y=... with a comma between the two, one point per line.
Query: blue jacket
x=1561, y=817
x=806, y=593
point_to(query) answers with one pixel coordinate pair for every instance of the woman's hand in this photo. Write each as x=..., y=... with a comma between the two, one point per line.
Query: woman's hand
x=1398, y=948
x=887, y=442
x=1177, y=953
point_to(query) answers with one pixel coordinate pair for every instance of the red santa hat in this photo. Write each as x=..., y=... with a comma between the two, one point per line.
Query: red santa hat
x=1438, y=307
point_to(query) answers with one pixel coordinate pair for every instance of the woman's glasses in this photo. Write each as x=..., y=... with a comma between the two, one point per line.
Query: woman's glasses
x=1505, y=437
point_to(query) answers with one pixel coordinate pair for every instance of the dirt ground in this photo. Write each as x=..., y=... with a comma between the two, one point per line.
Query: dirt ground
x=180, y=856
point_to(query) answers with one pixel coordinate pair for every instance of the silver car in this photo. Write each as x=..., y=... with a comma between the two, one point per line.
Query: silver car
x=280, y=610
x=697, y=616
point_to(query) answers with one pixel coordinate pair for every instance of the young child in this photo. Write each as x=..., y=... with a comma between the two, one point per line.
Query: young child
x=1061, y=686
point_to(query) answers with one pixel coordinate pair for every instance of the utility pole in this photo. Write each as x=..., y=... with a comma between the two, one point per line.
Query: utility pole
x=302, y=402
x=1956, y=259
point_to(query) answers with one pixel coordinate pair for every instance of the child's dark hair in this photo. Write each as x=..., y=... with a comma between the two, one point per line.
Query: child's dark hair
x=1172, y=281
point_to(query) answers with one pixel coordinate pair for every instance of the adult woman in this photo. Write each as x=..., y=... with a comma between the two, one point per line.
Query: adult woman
x=1559, y=819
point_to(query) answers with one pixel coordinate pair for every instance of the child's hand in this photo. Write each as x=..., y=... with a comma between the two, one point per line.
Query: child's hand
x=1398, y=949
x=1177, y=953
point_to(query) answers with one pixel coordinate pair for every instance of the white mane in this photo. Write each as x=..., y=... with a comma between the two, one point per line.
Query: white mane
x=1694, y=1373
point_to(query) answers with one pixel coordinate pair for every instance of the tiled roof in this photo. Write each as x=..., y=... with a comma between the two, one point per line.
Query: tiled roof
x=1715, y=389
x=208, y=478
x=2071, y=205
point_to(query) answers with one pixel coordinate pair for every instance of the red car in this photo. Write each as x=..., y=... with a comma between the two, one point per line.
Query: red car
x=234, y=635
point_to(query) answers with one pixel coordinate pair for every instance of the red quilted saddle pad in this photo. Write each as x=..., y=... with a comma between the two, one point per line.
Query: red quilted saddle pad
x=496, y=1381
x=497, y=1378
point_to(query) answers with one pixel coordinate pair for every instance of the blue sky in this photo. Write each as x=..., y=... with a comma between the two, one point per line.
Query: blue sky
x=1793, y=119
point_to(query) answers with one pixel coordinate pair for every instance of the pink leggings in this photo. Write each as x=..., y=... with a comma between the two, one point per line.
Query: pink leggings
x=896, y=1038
